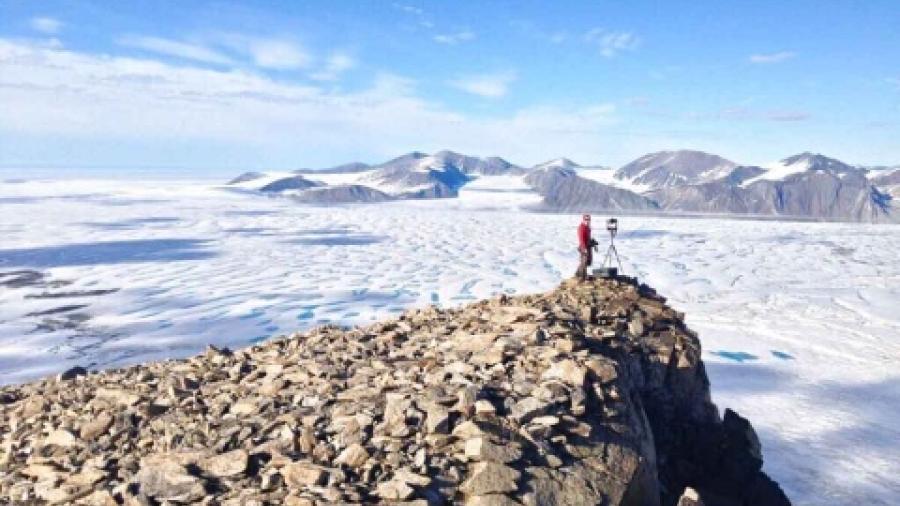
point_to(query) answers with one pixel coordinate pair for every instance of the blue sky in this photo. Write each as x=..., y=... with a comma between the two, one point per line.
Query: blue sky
x=213, y=87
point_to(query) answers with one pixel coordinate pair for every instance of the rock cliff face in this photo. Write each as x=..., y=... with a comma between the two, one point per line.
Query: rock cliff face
x=563, y=190
x=590, y=394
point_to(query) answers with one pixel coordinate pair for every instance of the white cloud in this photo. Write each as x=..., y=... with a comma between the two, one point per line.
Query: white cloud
x=97, y=98
x=176, y=48
x=454, y=38
x=46, y=25
x=612, y=43
x=278, y=54
x=486, y=85
x=335, y=65
x=772, y=57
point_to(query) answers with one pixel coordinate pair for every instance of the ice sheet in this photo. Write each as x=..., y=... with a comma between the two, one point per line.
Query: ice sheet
x=799, y=321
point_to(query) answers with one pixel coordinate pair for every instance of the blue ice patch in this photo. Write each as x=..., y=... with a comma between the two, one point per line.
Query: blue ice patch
x=737, y=356
x=782, y=355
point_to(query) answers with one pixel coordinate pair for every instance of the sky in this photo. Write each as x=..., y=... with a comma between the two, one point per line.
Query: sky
x=214, y=87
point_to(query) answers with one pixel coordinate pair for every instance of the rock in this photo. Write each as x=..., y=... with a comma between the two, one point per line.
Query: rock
x=98, y=498
x=519, y=401
x=407, y=476
x=490, y=478
x=467, y=430
x=528, y=408
x=298, y=501
x=394, y=490
x=62, y=438
x=603, y=369
x=491, y=500
x=91, y=429
x=117, y=396
x=353, y=456
x=167, y=480
x=481, y=449
x=567, y=371
x=72, y=373
x=243, y=408
x=303, y=474
x=225, y=465
x=484, y=407
x=437, y=419
x=636, y=328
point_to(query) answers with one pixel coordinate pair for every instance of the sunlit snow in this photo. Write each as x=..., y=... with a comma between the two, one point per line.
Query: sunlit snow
x=799, y=321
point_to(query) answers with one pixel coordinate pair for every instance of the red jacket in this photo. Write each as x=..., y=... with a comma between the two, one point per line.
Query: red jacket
x=584, y=236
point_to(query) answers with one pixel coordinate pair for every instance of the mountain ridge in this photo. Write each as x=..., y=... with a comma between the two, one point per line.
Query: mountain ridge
x=802, y=186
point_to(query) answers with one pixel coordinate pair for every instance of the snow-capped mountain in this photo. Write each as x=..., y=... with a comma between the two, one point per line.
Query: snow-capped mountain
x=557, y=163
x=563, y=190
x=414, y=175
x=887, y=180
x=674, y=168
x=800, y=163
x=806, y=185
x=886, y=177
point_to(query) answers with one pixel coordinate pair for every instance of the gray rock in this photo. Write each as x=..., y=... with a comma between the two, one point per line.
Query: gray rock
x=490, y=478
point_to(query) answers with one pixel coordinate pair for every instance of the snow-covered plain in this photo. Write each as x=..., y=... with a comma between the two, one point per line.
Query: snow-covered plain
x=800, y=322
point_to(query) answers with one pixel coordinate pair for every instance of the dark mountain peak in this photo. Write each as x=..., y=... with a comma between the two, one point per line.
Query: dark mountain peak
x=289, y=183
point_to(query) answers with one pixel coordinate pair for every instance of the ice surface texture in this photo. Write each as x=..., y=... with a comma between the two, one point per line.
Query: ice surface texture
x=164, y=268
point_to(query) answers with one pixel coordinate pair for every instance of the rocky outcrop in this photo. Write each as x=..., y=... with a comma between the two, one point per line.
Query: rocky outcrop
x=590, y=394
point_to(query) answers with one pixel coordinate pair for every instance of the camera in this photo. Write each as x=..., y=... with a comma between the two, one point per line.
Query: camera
x=612, y=225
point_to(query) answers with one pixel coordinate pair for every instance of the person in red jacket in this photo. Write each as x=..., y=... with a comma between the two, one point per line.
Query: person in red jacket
x=585, y=244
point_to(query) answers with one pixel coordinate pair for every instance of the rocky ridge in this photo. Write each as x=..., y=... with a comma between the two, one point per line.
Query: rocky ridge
x=590, y=394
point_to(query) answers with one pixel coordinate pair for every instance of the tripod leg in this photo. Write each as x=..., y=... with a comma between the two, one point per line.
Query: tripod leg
x=608, y=257
x=614, y=250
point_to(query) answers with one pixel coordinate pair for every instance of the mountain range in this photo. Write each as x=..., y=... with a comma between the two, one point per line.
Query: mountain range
x=803, y=186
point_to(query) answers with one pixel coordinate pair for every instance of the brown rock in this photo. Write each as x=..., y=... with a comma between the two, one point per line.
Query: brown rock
x=225, y=465
x=303, y=474
x=394, y=490
x=353, y=456
x=490, y=478
x=567, y=371
x=98, y=426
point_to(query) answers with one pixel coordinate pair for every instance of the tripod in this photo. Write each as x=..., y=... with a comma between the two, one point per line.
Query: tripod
x=611, y=253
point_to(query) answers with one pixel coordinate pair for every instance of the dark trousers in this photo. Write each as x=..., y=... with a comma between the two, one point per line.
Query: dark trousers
x=586, y=260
